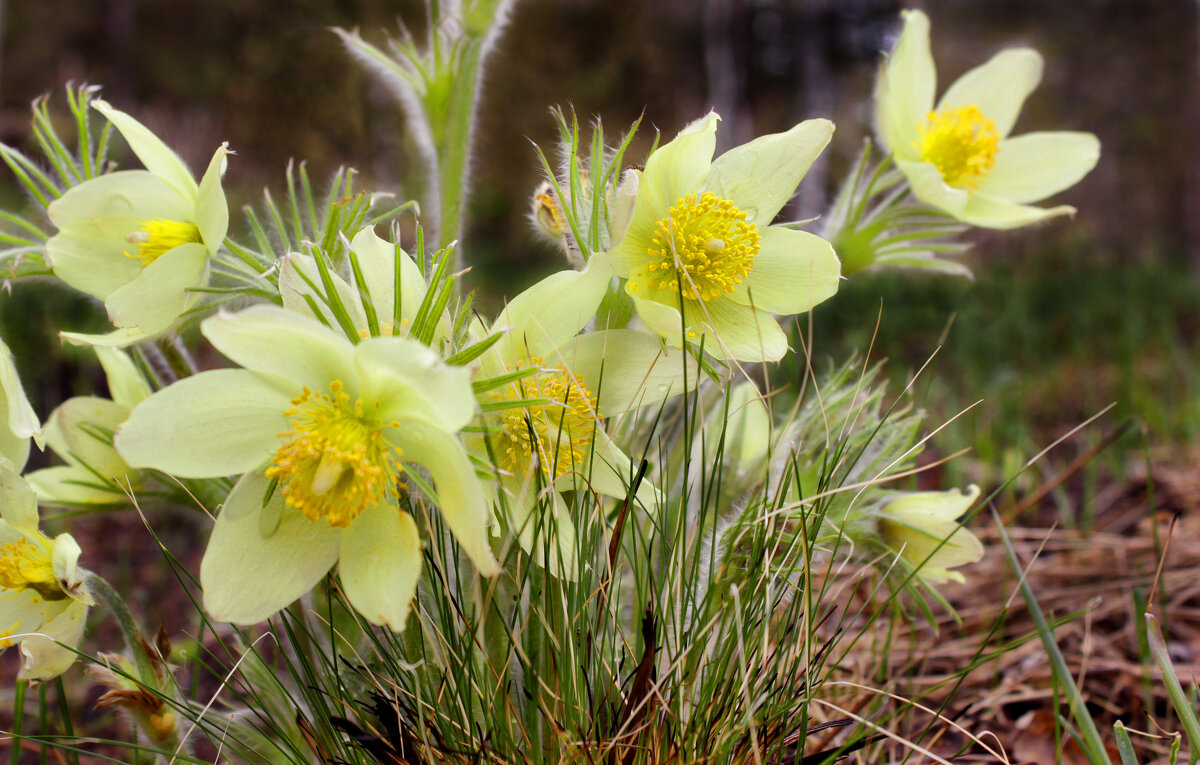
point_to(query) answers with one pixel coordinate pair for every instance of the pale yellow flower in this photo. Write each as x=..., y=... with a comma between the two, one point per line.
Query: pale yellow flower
x=43, y=595
x=923, y=528
x=957, y=154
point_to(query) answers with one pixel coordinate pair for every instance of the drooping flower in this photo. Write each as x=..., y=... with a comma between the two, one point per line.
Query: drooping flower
x=957, y=154
x=43, y=594
x=139, y=239
x=326, y=434
x=923, y=528
x=545, y=449
x=703, y=261
x=81, y=430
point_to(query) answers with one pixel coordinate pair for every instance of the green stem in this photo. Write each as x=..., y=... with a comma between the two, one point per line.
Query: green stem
x=129, y=628
x=178, y=358
x=18, y=722
x=68, y=727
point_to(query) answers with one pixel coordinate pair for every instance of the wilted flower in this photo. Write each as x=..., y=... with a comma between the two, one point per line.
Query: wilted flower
x=923, y=528
x=957, y=155
x=43, y=596
x=324, y=432
x=699, y=241
x=139, y=239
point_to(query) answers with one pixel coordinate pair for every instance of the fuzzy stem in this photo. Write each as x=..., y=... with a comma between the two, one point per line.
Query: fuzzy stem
x=129, y=628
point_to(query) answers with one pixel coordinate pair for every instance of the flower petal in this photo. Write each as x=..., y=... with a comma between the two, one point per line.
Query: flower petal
x=379, y=259
x=740, y=332
x=137, y=194
x=680, y=166
x=905, y=87
x=65, y=561
x=212, y=211
x=44, y=657
x=154, y=154
x=299, y=280
x=89, y=255
x=18, y=504
x=380, y=563
x=928, y=186
x=989, y=212
x=671, y=172
x=125, y=383
x=762, y=175
x=18, y=421
x=72, y=486
x=611, y=472
x=247, y=577
x=410, y=381
x=792, y=272
x=77, y=431
x=626, y=368
x=121, y=337
x=268, y=339
x=1033, y=166
x=998, y=87
x=174, y=430
x=155, y=298
x=553, y=311
x=542, y=525
x=459, y=495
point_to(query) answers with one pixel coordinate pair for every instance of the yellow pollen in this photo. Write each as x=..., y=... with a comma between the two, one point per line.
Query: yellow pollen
x=961, y=143
x=559, y=434
x=28, y=566
x=387, y=329
x=335, y=462
x=704, y=246
x=157, y=237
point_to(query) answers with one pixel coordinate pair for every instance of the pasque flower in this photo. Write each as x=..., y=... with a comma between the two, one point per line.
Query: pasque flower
x=139, y=239
x=326, y=434
x=560, y=444
x=957, y=155
x=923, y=528
x=43, y=594
x=703, y=261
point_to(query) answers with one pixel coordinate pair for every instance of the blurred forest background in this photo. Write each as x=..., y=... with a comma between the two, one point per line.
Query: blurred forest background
x=1061, y=319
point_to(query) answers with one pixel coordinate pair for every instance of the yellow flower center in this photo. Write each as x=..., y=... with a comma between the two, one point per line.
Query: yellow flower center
x=157, y=237
x=336, y=462
x=961, y=143
x=559, y=434
x=705, y=247
x=28, y=566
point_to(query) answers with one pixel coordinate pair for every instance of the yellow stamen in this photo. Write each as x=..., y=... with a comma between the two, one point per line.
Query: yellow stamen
x=962, y=144
x=559, y=435
x=28, y=566
x=336, y=462
x=704, y=246
x=157, y=237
